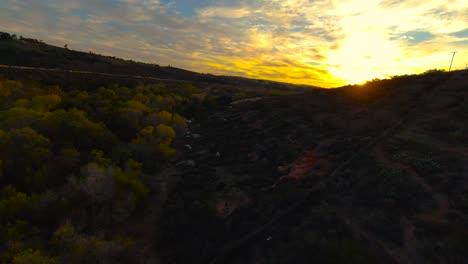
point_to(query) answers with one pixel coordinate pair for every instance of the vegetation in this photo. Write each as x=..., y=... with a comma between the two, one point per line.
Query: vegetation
x=73, y=163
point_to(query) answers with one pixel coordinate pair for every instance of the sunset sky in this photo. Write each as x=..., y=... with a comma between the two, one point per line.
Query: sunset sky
x=326, y=43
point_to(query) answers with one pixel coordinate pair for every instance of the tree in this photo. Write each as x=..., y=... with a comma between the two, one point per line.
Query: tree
x=13, y=204
x=129, y=179
x=25, y=154
x=98, y=186
x=166, y=135
x=179, y=124
x=45, y=102
x=78, y=248
x=165, y=117
x=5, y=36
x=31, y=256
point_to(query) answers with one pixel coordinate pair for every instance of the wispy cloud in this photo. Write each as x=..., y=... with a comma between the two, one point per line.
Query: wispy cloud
x=224, y=12
x=321, y=42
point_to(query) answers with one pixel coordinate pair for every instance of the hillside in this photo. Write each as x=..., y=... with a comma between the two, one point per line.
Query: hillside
x=109, y=168
x=364, y=174
x=26, y=52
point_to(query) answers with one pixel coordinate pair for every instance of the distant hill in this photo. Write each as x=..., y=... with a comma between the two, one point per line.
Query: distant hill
x=27, y=52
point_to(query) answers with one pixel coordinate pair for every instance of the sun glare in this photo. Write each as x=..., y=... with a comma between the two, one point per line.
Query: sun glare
x=360, y=55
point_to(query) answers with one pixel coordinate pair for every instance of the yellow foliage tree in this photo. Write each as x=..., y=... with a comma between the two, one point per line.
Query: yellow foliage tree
x=165, y=116
x=179, y=123
x=32, y=257
x=179, y=120
x=166, y=150
x=78, y=248
x=4, y=91
x=147, y=131
x=166, y=133
x=46, y=102
x=136, y=106
x=142, y=98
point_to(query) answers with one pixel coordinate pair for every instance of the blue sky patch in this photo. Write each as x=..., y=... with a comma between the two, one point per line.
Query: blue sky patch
x=461, y=33
x=416, y=37
x=186, y=8
x=82, y=13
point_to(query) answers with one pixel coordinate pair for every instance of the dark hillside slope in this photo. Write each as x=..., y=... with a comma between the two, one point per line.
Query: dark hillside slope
x=28, y=52
x=33, y=53
x=365, y=174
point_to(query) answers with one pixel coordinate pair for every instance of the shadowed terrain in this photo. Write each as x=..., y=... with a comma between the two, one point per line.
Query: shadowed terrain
x=370, y=174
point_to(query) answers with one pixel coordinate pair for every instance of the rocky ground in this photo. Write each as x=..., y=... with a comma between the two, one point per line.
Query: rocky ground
x=371, y=174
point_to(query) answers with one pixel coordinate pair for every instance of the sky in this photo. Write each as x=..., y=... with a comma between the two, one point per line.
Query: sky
x=325, y=43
